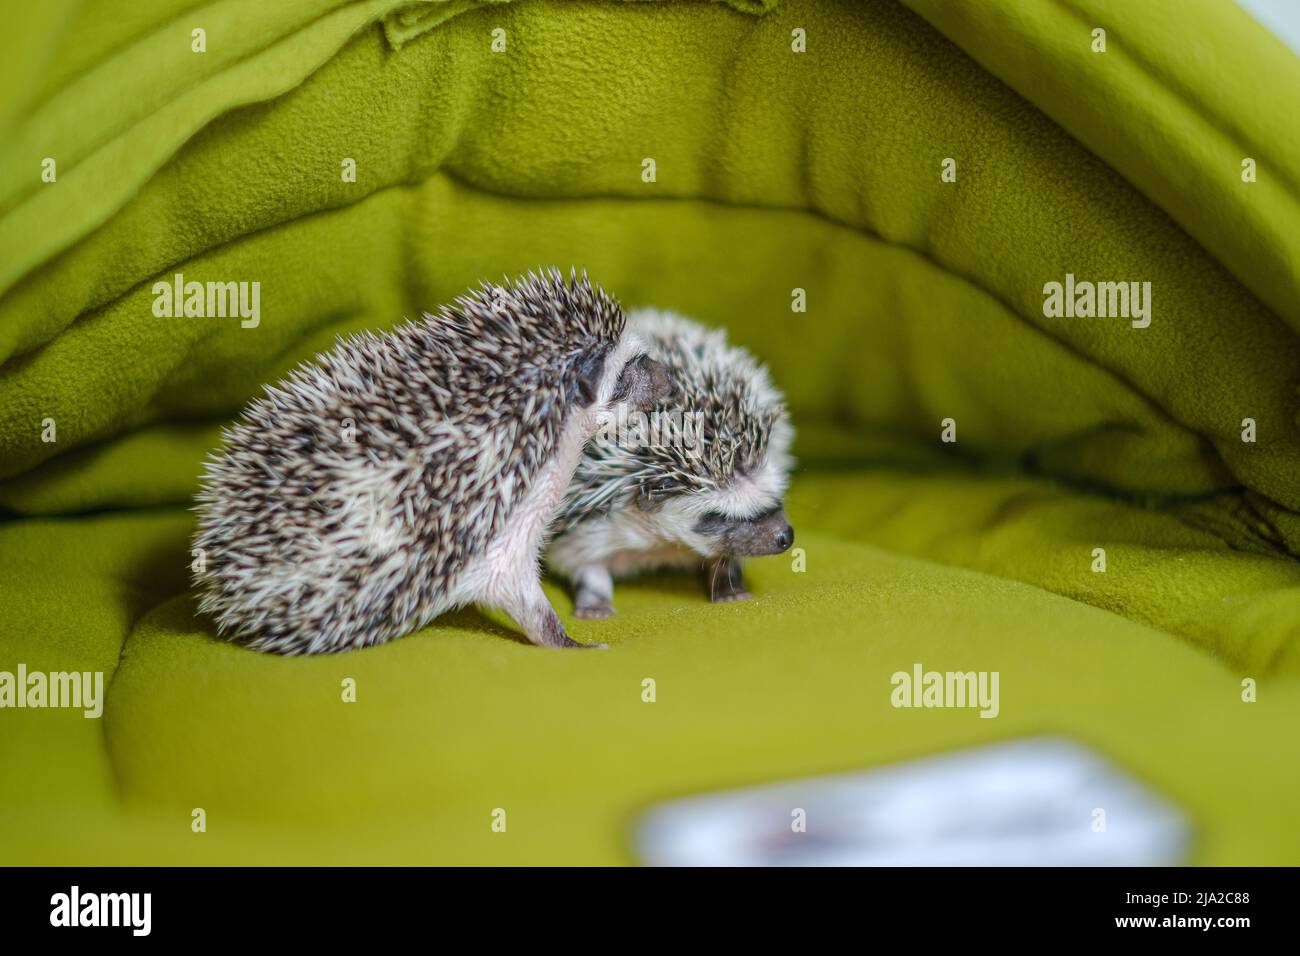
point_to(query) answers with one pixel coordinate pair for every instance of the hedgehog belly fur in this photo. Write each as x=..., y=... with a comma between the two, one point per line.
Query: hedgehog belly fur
x=506, y=574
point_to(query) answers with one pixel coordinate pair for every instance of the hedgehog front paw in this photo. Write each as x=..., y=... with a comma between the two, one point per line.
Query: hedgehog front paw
x=725, y=581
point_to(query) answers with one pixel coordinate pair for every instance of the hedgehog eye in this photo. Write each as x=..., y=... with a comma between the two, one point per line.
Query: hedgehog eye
x=712, y=522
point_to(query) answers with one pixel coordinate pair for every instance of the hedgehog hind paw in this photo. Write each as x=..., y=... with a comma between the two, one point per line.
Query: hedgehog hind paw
x=542, y=626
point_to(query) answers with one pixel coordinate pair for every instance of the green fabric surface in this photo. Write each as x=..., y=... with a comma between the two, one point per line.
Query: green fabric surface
x=460, y=719
x=1183, y=93
x=775, y=171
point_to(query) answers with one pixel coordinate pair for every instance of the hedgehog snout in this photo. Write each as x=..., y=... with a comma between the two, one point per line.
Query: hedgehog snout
x=767, y=534
x=771, y=534
x=785, y=538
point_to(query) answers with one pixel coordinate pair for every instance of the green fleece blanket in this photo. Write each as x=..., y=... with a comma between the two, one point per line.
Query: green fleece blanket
x=873, y=197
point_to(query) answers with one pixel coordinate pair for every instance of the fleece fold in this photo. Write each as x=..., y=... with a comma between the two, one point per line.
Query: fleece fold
x=1185, y=98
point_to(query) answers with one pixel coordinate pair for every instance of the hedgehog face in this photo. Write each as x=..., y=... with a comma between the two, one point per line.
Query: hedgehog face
x=743, y=518
x=710, y=473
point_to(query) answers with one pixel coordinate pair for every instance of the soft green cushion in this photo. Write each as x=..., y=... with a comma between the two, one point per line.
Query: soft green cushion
x=459, y=720
x=775, y=171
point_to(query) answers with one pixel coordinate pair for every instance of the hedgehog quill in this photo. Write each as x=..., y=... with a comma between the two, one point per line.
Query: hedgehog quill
x=710, y=501
x=407, y=473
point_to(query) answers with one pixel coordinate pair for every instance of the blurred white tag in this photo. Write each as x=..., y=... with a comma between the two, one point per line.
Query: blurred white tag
x=1035, y=802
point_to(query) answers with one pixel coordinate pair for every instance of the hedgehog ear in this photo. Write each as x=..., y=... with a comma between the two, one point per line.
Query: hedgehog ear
x=645, y=501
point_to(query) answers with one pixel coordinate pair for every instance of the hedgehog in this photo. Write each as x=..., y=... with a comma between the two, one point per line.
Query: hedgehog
x=407, y=473
x=703, y=489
